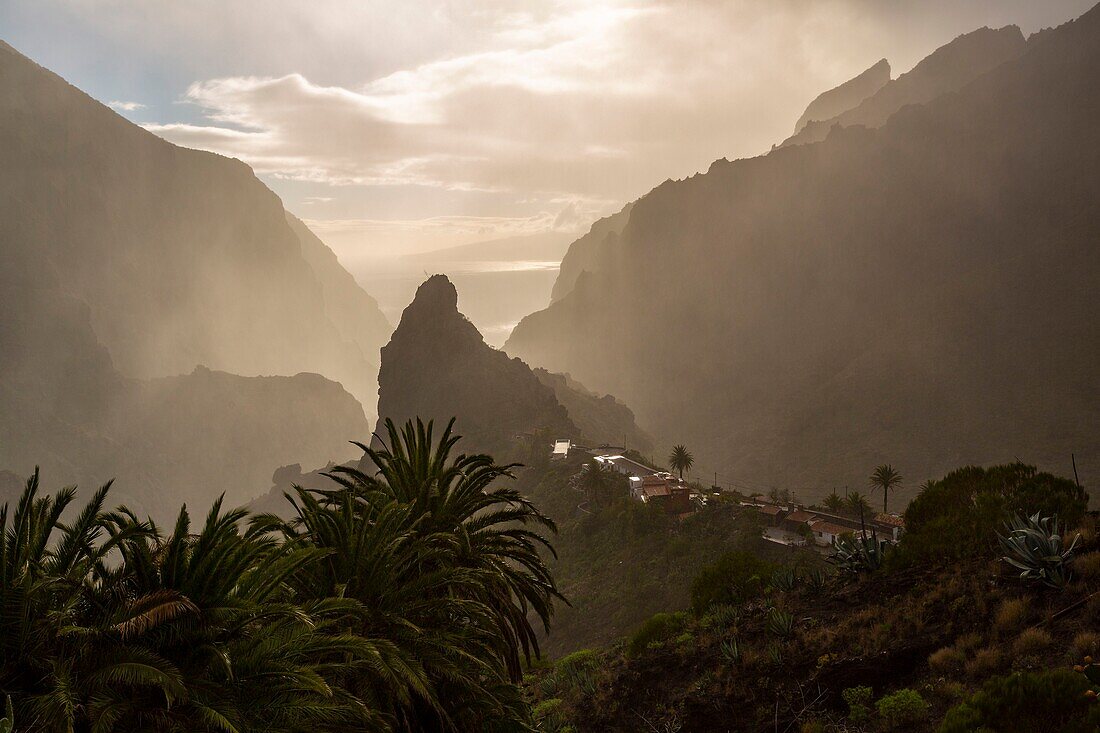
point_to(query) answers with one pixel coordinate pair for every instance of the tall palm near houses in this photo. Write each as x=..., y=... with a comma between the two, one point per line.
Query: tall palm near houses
x=598, y=483
x=885, y=477
x=681, y=459
x=446, y=564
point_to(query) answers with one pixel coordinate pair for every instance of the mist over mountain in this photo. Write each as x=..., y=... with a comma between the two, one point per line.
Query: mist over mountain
x=916, y=293
x=183, y=257
x=847, y=96
x=136, y=276
x=437, y=366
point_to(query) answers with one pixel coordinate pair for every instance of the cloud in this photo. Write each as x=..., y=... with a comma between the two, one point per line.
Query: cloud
x=557, y=109
x=125, y=106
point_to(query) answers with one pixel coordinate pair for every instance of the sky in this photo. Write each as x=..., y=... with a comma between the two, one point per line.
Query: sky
x=407, y=126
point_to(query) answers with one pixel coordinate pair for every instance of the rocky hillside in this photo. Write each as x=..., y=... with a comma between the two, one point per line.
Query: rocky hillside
x=916, y=293
x=847, y=96
x=437, y=366
x=587, y=253
x=602, y=419
x=182, y=257
x=948, y=69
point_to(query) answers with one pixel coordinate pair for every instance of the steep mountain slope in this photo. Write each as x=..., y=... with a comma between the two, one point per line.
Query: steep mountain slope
x=947, y=69
x=846, y=96
x=437, y=366
x=917, y=293
x=183, y=257
x=602, y=419
x=128, y=261
x=587, y=252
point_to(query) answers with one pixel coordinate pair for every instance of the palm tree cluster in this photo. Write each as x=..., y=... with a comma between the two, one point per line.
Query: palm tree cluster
x=396, y=601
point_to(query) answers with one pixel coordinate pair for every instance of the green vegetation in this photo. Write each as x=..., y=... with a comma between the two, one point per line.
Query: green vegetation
x=619, y=564
x=732, y=579
x=961, y=514
x=398, y=601
x=894, y=646
x=902, y=707
x=601, y=485
x=1052, y=700
x=656, y=629
x=858, y=700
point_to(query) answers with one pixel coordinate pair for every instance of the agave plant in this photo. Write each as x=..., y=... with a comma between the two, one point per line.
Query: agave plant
x=815, y=580
x=856, y=554
x=1033, y=545
x=731, y=652
x=780, y=623
x=784, y=579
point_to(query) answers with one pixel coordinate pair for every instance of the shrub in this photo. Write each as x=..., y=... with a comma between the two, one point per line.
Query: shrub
x=548, y=715
x=732, y=579
x=1011, y=615
x=959, y=515
x=1051, y=701
x=656, y=629
x=859, y=701
x=902, y=707
x=1086, y=643
x=984, y=663
x=946, y=661
x=578, y=660
x=1031, y=642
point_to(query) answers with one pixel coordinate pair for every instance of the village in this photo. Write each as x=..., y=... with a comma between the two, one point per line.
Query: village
x=784, y=521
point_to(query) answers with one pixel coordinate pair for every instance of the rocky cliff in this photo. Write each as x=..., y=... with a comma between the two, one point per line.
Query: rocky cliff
x=437, y=366
x=846, y=96
x=917, y=293
x=949, y=68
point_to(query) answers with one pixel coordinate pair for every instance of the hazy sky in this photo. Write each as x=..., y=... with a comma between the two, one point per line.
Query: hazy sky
x=409, y=125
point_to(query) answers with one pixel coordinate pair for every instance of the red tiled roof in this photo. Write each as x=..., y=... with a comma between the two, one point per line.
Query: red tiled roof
x=829, y=528
x=801, y=516
x=890, y=519
x=769, y=509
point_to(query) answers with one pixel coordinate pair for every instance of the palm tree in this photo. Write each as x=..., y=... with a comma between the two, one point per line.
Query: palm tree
x=403, y=600
x=885, y=478
x=680, y=460
x=442, y=559
x=833, y=502
x=598, y=482
x=857, y=504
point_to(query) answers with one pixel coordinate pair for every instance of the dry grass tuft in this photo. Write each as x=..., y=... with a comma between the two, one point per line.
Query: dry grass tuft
x=1012, y=615
x=946, y=661
x=984, y=664
x=1088, y=566
x=1086, y=643
x=1032, y=642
